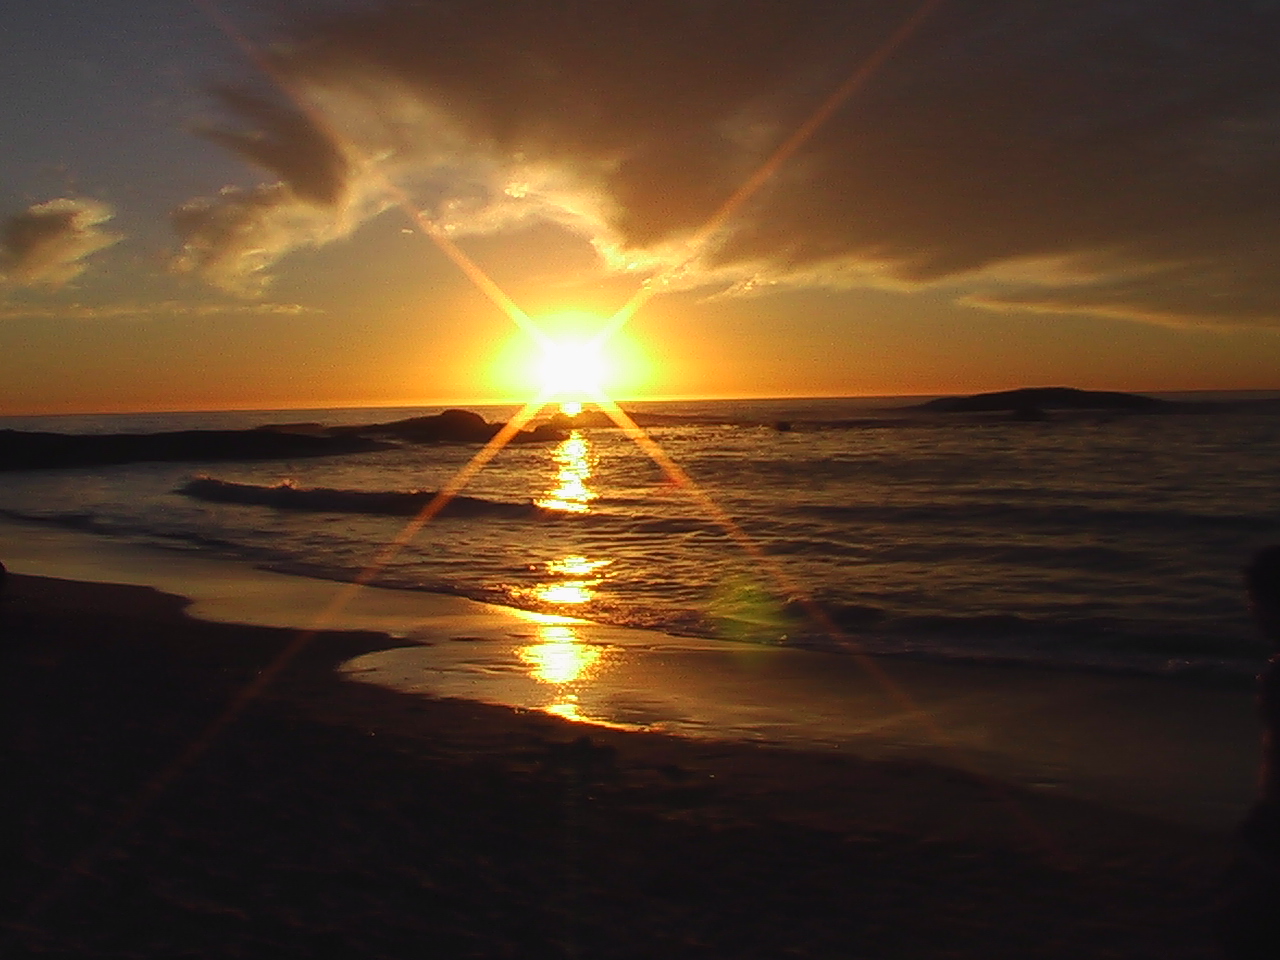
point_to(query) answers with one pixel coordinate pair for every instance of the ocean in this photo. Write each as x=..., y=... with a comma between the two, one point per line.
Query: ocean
x=1087, y=541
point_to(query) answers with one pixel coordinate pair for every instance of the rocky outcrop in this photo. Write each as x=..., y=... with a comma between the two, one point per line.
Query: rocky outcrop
x=1046, y=398
x=21, y=450
x=452, y=426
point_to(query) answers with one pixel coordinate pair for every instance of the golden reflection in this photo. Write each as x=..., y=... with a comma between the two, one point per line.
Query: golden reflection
x=579, y=584
x=567, y=591
x=559, y=658
x=573, y=460
x=576, y=565
x=548, y=619
x=567, y=710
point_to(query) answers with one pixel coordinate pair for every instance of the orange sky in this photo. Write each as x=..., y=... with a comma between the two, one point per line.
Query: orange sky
x=975, y=215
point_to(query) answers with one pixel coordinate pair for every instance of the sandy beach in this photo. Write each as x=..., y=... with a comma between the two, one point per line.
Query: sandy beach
x=157, y=814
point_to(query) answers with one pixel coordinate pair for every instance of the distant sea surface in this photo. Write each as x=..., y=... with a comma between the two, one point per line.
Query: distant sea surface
x=1085, y=542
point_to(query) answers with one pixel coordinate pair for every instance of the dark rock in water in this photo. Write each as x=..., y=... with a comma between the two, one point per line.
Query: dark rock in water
x=456, y=425
x=305, y=429
x=578, y=421
x=20, y=450
x=452, y=426
x=782, y=426
x=542, y=433
x=1046, y=398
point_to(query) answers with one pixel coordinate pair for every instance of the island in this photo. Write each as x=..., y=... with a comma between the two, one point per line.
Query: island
x=1029, y=399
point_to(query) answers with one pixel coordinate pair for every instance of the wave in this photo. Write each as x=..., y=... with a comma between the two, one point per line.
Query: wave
x=391, y=503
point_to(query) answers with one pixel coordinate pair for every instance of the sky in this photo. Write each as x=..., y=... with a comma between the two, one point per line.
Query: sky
x=230, y=205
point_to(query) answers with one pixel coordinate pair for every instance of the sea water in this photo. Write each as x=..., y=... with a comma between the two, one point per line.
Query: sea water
x=1085, y=542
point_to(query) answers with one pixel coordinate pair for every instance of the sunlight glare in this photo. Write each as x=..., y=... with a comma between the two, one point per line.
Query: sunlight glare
x=559, y=657
x=566, y=592
x=574, y=460
x=576, y=565
x=571, y=358
x=573, y=367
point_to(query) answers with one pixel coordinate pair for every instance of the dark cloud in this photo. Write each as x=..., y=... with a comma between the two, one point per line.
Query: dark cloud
x=232, y=239
x=287, y=141
x=47, y=243
x=1111, y=157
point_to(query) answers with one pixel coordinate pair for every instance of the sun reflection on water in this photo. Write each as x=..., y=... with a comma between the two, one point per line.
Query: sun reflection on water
x=574, y=459
x=576, y=565
x=558, y=657
x=574, y=573
x=570, y=579
x=561, y=660
x=578, y=585
x=567, y=592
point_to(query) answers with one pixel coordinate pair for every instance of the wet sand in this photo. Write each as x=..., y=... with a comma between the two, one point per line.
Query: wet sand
x=333, y=817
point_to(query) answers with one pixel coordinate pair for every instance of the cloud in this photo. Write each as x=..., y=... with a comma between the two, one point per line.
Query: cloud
x=48, y=243
x=164, y=309
x=1065, y=155
x=287, y=141
x=233, y=239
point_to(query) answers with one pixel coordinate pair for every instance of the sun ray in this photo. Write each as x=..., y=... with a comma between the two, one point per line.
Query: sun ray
x=470, y=269
x=786, y=586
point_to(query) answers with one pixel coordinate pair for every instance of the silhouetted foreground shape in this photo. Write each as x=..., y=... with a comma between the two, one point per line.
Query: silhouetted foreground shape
x=1047, y=398
x=456, y=426
x=28, y=451
x=341, y=819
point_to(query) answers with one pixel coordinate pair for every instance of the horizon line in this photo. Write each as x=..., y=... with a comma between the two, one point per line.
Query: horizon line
x=719, y=398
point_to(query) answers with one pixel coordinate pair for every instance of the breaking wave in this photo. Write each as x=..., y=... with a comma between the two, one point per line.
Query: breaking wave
x=391, y=503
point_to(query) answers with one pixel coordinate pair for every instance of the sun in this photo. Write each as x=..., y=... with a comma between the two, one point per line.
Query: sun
x=573, y=368
x=572, y=360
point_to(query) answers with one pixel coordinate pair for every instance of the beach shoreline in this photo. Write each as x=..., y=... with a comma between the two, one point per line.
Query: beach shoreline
x=112, y=683
x=1182, y=752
